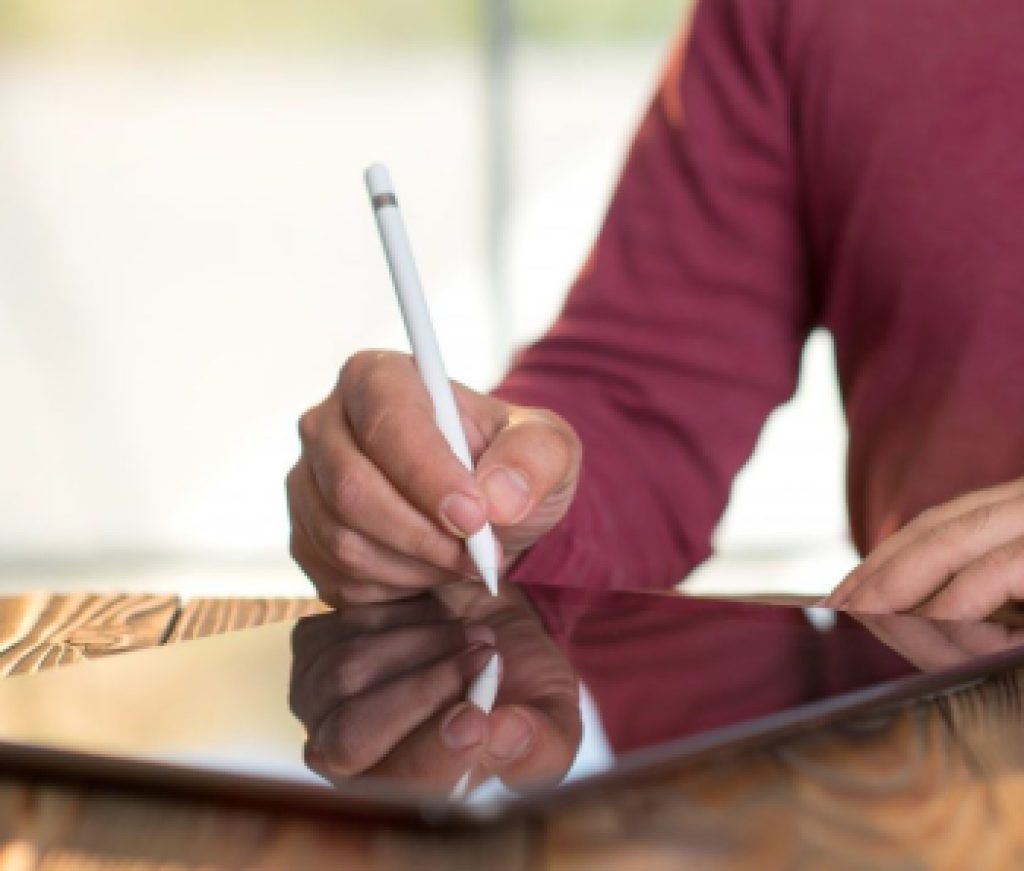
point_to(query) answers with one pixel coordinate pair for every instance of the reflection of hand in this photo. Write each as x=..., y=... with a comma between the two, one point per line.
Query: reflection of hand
x=935, y=645
x=380, y=690
x=379, y=503
x=960, y=561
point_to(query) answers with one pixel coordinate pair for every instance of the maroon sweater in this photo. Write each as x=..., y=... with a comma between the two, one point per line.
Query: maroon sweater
x=857, y=165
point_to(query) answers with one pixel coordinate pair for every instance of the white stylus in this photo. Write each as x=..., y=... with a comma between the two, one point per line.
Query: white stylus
x=482, y=693
x=425, y=350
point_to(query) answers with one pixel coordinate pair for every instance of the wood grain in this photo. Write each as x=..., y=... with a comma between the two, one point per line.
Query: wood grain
x=78, y=830
x=200, y=618
x=937, y=784
x=40, y=630
x=899, y=790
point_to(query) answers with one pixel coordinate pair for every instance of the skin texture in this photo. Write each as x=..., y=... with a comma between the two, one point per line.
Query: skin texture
x=380, y=506
x=960, y=561
x=380, y=689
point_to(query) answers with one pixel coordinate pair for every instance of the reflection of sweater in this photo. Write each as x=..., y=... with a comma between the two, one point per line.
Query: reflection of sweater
x=663, y=667
x=851, y=164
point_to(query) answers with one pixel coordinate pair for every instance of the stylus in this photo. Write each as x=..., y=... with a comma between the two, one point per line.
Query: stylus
x=482, y=693
x=425, y=349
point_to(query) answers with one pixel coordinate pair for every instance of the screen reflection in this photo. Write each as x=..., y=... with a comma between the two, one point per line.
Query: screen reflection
x=381, y=689
x=590, y=681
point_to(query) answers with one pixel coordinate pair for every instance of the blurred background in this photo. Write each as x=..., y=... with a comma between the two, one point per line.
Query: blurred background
x=187, y=257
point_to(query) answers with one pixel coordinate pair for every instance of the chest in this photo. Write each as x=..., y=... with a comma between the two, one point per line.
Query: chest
x=909, y=122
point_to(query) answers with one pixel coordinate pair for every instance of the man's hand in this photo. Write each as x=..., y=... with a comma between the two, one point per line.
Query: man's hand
x=933, y=645
x=380, y=505
x=380, y=689
x=960, y=561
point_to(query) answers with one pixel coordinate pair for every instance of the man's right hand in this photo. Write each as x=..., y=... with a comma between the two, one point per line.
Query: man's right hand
x=379, y=504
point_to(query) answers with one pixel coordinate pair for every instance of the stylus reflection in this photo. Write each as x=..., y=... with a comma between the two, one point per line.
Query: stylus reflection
x=381, y=691
x=381, y=688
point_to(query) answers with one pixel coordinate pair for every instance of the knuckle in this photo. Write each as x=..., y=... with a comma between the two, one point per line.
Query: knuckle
x=292, y=489
x=345, y=748
x=974, y=521
x=331, y=593
x=551, y=419
x=546, y=448
x=353, y=370
x=1004, y=560
x=926, y=520
x=348, y=491
x=295, y=703
x=374, y=425
x=945, y=536
x=430, y=688
x=366, y=374
x=559, y=436
x=309, y=425
x=295, y=547
x=348, y=549
x=427, y=546
x=354, y=672
x=559, y=449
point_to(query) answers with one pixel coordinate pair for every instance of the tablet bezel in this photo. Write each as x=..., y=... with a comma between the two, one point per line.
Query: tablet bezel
x=391, y=804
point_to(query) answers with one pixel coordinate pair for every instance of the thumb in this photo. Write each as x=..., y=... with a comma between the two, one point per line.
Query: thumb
x=528, y=475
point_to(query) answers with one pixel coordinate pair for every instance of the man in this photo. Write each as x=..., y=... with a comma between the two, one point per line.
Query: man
x=855, y=165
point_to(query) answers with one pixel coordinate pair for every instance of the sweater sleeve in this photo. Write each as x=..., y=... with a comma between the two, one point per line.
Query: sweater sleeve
x=685, y=327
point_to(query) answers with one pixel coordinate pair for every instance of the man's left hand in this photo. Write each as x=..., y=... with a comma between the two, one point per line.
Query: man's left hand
x=959, y=561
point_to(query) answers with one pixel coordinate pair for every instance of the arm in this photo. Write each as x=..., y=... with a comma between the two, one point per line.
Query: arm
x=682, y=334
x=685, y=328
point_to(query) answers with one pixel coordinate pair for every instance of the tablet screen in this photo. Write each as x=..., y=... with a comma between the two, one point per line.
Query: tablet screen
x=362, y=706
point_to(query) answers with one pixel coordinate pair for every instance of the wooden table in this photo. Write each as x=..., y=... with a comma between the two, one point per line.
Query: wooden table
x=936, y=784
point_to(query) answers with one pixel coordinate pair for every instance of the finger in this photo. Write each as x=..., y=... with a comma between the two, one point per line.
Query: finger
x=357, y=494
x=982, y=587
x=921, y=525
x=346, y=663
x=530, y=746
x=914, y=573
x=332, y=586
x=915, y=639
x=529, y=470
x=358, y=664
x=357, y=556
x=392, y=421
x=318, y=631
x=361, y=731
x=980, y=639
x=440, y=751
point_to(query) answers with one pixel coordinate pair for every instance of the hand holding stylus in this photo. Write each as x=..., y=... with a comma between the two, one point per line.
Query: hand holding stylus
x=483, y=549
x=382, y=506
x=381, y=690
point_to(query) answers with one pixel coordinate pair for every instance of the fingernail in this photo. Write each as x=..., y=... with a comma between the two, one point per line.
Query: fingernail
x=511, y=738
x=508, y=494
x=462, y=514
x=464, y=727
x=480, y=633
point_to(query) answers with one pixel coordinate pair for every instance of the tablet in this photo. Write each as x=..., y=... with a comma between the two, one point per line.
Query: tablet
x=358, y=712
